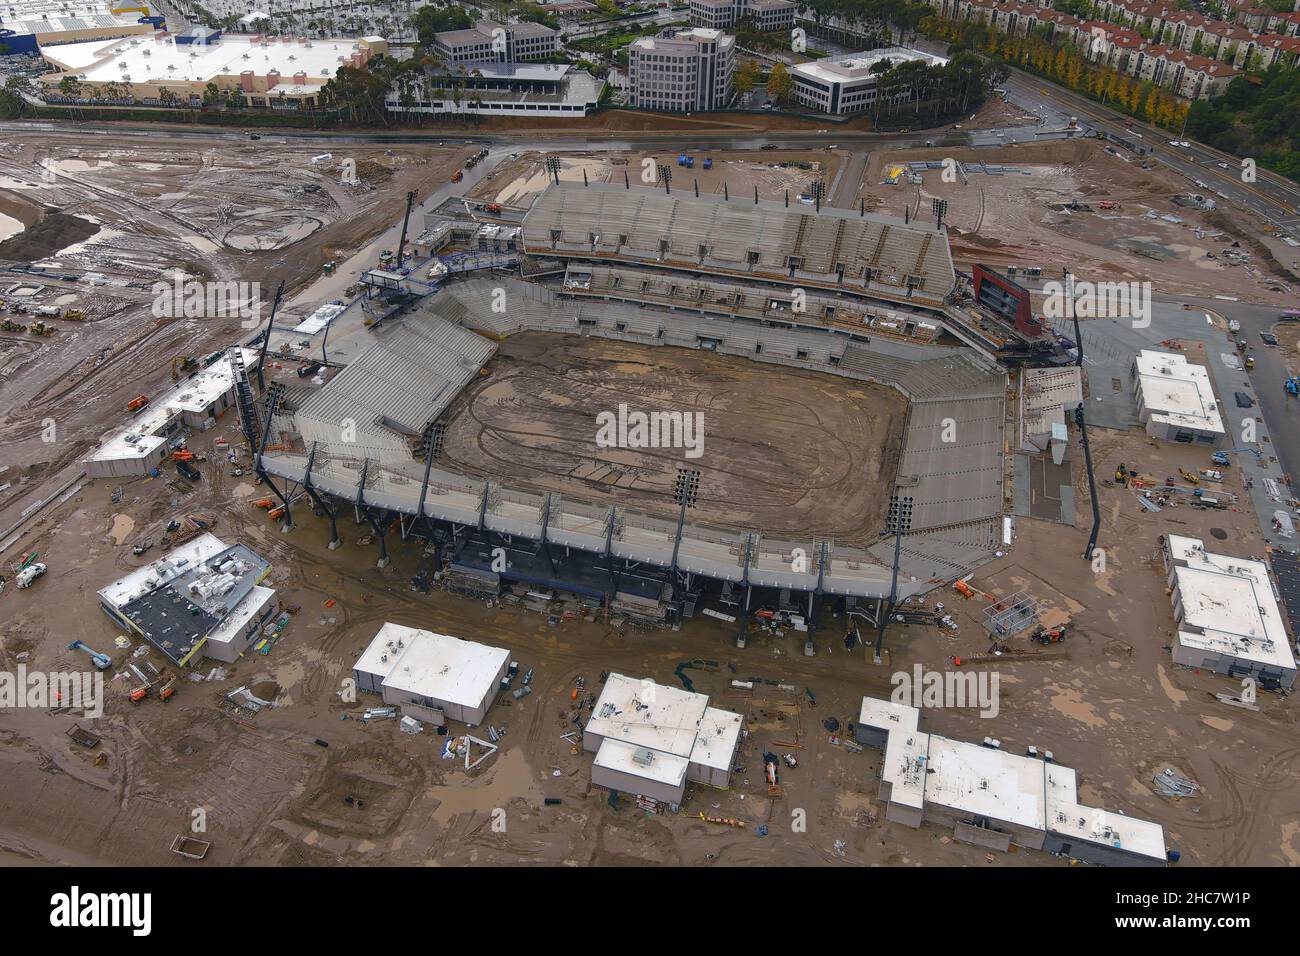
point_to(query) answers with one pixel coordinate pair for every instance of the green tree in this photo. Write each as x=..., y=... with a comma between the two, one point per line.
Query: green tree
x=780, y=84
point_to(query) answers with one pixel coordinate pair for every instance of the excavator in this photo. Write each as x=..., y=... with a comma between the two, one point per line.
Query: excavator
x=184, y=365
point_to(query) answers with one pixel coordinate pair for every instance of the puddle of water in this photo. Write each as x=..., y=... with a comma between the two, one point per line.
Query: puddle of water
x=9, y=226
x=507, y=776
x=123, y=525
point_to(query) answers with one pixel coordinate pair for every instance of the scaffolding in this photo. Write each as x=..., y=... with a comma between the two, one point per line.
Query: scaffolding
x=1009, y=616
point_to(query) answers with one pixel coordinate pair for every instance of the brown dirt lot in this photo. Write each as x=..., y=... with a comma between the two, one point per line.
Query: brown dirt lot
x=784, y=450
x=232, y=211
x=1018, y=219
x=1108, y=702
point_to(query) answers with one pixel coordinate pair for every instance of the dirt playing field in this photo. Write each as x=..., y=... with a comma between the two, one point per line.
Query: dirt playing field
x=783, y=450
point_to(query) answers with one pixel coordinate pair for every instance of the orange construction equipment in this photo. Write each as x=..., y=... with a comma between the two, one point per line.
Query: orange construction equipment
x=137, y=403
x=275, y=512
x=494, y=208
x=964, y=589
x=182, y=454
x=139, y=694
x=262, y=503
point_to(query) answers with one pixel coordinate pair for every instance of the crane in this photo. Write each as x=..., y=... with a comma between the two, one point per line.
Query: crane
x=101, y=661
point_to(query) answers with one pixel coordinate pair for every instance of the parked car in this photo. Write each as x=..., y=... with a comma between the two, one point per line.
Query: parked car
x=1269, y=338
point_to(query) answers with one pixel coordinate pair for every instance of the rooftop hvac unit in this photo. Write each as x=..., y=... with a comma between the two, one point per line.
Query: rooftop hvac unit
x=643, y=756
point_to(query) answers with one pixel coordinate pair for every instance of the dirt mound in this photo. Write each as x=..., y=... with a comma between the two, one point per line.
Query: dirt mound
x=55, y=231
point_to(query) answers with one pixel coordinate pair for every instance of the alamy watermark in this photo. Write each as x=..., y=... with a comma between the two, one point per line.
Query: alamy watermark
x=189, y=298
x=637, y=429
x=44, y=689
x=925, y=688
x=1098, y=300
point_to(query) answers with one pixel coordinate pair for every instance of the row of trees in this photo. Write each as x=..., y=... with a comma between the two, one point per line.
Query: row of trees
x=1064, y=64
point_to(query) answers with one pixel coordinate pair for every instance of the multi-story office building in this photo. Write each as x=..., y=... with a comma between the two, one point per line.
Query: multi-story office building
x=767, y=15
x=847, y=84
x=488, y=42
x=691, y=70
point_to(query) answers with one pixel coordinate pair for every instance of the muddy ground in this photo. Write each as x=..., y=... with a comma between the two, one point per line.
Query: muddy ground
x=125, y=216
x=1021, y=219
x=784, y=450
x=1108, y=702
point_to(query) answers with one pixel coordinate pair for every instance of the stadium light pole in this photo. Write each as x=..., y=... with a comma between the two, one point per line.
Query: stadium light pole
x=686, y=491
x=553, y=167
x=666, y=174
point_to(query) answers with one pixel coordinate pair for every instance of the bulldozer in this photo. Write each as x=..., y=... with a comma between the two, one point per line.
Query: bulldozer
x=9, y=325
x=40, y=328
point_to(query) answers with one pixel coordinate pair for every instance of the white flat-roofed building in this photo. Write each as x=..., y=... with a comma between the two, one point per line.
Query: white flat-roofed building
x=1226, y=613
x=271, y=72
x=202, y=596
x=432, y=677
x=489, y=42
x=847, y=83
x=142, y=443
x=41, y=23
x=500, y=89
x=651, y=740
x=992, y=798
x=1175, y=399
x=690, y=70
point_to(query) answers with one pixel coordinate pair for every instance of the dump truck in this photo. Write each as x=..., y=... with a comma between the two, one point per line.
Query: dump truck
x=457, y=176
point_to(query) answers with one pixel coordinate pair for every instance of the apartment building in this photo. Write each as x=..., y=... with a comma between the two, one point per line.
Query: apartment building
x=489, y=42
x=1156, y=44
x=690, y=70
x=847, y=84
x=767, y=15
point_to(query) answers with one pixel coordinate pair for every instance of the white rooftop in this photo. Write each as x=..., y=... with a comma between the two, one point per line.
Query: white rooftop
x=173, y=564
x=48, y=18
x=684, y=38
x=858, y=66
x=985, y=782
x=137, y=438
x=927, y=768
x=719, y=731
x=431, y=665
x=647, y=714
x=1066, y=816
x=234, y=623
x=159, y=59
x=654, y=764
x=1229, y=605
x=1177, y=392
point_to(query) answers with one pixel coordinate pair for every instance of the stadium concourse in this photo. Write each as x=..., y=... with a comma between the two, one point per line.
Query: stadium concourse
x=860, y=297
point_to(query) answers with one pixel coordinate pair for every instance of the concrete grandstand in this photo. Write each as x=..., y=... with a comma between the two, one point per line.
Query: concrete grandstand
x=682, y=286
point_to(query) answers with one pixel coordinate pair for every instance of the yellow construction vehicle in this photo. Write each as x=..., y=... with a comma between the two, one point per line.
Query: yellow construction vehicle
x=75, y=315
x=40, y=328
x=9, y=325
x=1189, y=477
x=183, y=365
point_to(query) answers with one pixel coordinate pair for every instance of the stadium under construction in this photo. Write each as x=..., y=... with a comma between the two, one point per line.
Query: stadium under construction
x=859, y=296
